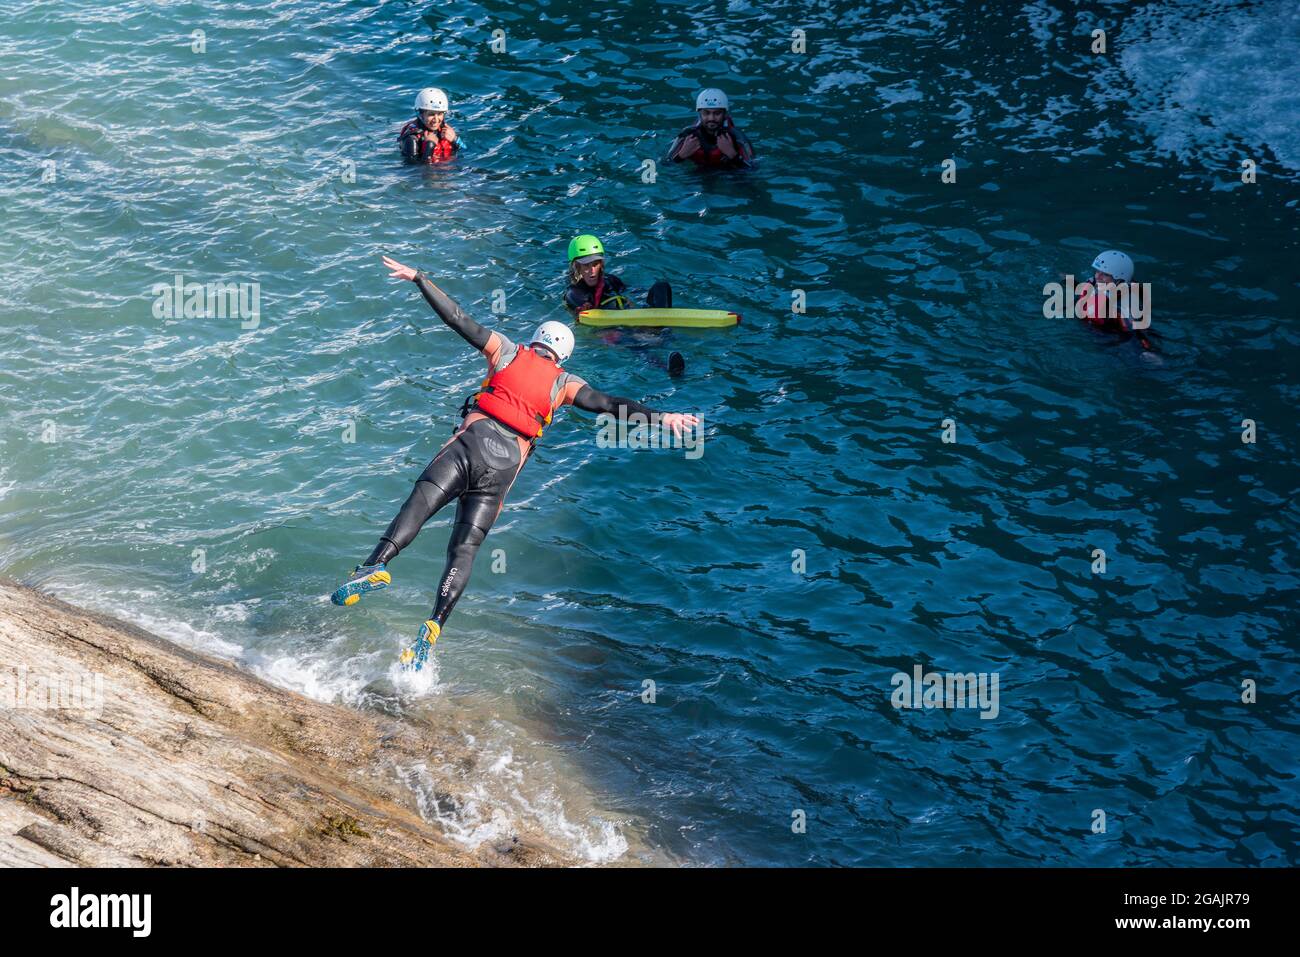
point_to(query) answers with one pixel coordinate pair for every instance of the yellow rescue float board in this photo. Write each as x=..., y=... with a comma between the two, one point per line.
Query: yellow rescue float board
x=689, y=318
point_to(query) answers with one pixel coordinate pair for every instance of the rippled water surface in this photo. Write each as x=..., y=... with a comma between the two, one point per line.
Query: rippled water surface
x=199, y=480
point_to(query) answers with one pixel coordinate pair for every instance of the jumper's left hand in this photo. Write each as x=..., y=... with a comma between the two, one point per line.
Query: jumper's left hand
x=398, y=271
x=727, y=146
x=678, y=422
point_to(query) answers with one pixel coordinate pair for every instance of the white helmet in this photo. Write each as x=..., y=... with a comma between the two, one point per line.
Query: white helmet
x=1114, y=263
x=712, y=99
x=431, y=98
x=557, y=337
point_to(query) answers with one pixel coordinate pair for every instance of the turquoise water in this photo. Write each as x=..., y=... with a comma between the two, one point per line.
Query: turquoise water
x=180, y=439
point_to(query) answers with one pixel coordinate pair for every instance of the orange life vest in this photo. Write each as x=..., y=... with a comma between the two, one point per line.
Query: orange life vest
x=519, y=394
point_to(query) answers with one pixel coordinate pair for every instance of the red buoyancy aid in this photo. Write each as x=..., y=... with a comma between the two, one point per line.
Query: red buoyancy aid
x=1099, y=309
x=519, y=395
x=715, y=156
x=441, y=151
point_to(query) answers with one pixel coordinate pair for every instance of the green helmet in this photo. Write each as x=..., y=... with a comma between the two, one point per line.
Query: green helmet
x=585, y=245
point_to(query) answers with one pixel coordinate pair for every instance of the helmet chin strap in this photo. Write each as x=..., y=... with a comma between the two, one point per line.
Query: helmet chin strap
x=548, y=350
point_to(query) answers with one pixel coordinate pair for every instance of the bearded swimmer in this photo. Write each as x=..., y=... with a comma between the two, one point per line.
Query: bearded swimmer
x=714, y=140
x=525, y=386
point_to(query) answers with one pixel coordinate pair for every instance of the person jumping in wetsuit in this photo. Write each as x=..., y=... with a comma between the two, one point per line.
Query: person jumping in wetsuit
x=429, y=138
x=525, y=386
x=714, y=140
x=590, y=287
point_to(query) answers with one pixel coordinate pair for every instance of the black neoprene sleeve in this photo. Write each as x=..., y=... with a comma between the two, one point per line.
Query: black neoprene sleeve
x=593, y=400
x=452, y=314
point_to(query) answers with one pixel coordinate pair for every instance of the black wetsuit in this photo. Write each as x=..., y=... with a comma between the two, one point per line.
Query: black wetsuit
x=581, y=296
x=477, y=467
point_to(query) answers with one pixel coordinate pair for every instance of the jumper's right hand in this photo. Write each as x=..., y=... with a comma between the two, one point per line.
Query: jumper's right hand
x=679, y=422
x=690, y=146
x=398, y=271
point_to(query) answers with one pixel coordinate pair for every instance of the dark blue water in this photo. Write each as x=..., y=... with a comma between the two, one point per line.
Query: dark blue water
x=1118, y=692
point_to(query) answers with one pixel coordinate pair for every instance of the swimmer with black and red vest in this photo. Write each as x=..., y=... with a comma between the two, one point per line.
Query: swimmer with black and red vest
x=429, y=138
x=1108, y=300
x=715, y=139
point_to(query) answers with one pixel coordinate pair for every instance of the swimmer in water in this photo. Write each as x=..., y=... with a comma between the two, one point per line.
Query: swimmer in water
x=590, y=287
x=1106, y=301
x=525, y=386
x=429, y=138
x=714, y=140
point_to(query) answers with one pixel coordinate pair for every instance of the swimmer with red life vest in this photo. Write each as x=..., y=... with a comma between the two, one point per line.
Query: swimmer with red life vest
x=590, y=287
x=429, y=138
x=714, y=140
x=525, y=386
x=1107, y=301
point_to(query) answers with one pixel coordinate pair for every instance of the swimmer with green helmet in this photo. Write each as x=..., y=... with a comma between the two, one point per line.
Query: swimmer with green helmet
x=590, y=287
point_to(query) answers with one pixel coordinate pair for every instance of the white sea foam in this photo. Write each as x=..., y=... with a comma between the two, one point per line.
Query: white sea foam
x=415, y=684
x=321, y=677
x=1205, y=71
x=506, y=794
x=235, y=611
